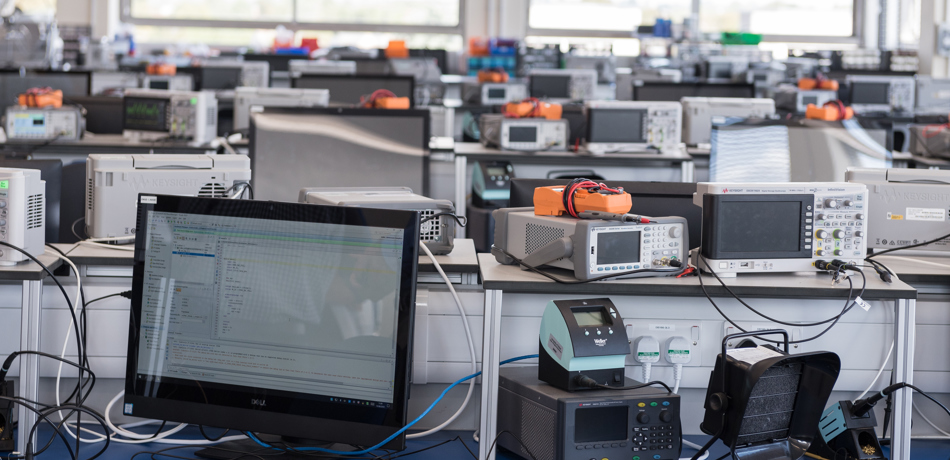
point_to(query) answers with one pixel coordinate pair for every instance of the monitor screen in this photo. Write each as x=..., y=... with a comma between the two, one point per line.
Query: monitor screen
x=296, y=148
x=771, y=226
x=661, y=91
x=616, y=126
x=346, y=90
x=869, y=93
x=220, y=77
x=285, y=318
x=158, y=84
x=551, y=86
x=145, y=114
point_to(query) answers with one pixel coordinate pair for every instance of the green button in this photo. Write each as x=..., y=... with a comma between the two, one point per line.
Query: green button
x=636, y=457
x=194, y=101
x=653, y=404
x=4, y=184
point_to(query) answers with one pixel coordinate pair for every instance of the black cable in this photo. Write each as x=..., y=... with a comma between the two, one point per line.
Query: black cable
x=515, y=438
x=576, y=281
x=753, y=310
x=910, y=246
x=462, y=220
x=201, y=428
x=75, y=408
x=863, y=407
x=159, y=430
x=40, y=417
x=588, y=382
x=849, y=304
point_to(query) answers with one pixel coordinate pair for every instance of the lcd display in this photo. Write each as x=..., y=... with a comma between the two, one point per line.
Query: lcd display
x=616, y=126
x=597, y=424
x=551, y=86
x=590, y=318
x=496, y=171
x=618, y=248
x=496, y=93
x=809, y=100
x=158, y=84
x=766, y=226
x=869, y=93
x=145, y=114
x=522, y=134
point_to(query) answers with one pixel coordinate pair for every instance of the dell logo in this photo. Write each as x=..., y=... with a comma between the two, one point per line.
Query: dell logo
x=600, y=342
x=259, y=402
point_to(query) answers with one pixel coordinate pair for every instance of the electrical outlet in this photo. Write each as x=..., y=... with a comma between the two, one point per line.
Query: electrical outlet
x=662, y=330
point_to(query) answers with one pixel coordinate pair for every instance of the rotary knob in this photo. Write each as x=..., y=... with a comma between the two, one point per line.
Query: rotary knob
x=848, y=203
x=643, y=417
x=666, y=416
x=820, y=252
x=831, y=203
x=859, y=216
x=839, y=234
x=675, y=232
x=859, y=233
x=821, y=234
x=822, y=217
x=838, y=252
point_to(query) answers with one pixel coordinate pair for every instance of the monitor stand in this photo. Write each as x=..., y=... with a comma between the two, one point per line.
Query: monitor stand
x=247, y=448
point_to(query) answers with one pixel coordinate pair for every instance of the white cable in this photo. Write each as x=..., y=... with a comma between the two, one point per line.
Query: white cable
x=697, y=447
x=879, y=372
x=76, y=308
x=646, y=369
x=677, y=376
x=471, y=347
x=107, y=246
x=919, y=412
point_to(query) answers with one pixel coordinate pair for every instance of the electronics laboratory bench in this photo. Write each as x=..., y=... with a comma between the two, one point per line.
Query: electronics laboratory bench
x=96, y=143
x=515, y=299
x=667, y=166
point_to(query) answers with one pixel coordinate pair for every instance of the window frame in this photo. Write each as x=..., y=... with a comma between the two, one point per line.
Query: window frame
x=125, y=15
x=855, y=37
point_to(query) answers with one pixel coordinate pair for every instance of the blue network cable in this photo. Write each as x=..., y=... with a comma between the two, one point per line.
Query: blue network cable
x=402, y=430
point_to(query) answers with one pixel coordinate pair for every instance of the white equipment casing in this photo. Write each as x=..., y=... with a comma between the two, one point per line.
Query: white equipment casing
x=900, y=93
x=441, y=121
x=582, y=86
x=933, y=95
x=660, y=126
x=526, y=134
x=113, y=182
x=22, y=213
x=248, y=100
x=254, y=74
x=65, y=123
x=168, y=82
x=503, y=93
x=591, y=248
x=829, y=224
x=189, y=115
x=699, y=114
x=908, y=206
x=438, y=234
x=321, y=67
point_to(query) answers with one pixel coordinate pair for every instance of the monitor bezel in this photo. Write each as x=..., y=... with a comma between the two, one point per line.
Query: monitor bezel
x=295, y=83
x=232, y=405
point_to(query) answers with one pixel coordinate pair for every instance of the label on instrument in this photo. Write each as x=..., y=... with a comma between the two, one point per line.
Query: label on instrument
x=927, y=214
x=752, y=355
x=662, y=327
x=555, y=346
x=862, y=303
x=149, y=200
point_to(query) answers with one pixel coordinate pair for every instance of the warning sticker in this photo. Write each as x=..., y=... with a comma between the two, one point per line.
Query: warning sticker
x=555, y=346
x=927, y=214
x=752, y=355
x=891, y=216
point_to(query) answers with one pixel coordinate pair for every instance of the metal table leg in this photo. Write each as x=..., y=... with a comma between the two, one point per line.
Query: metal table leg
x=687, y=171
x=904, y=341
x=491, y=341
x=461, y=164
x=31, y=304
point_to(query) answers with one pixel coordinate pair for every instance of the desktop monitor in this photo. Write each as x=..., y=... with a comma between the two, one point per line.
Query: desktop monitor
x=295, y=148
x=346, y=90
x=663, y=91
x=104, y=114
x=282, y=318
x=649, y=199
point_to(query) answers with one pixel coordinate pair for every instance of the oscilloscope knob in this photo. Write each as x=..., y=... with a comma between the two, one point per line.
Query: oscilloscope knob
x=858, y=233
x=831, y=203
x=838, y=252
x=838, y=233
x=675, y=232
x=821, y=234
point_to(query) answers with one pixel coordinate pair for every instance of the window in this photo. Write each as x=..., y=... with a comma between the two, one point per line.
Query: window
x=603, y=15
x=429, y=23
x=833, y=18
x=37, y=7
x=909, y=26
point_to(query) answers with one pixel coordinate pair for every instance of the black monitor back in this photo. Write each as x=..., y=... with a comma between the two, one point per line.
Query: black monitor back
x=649, y=199
x=12, y=83
x=663, y=91
x=52, y=172
x=278, y=62
x=103, y=113
x=346, y=90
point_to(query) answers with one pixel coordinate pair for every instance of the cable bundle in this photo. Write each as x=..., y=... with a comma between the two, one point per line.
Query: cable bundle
x=570, y=190
x=369, y=102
